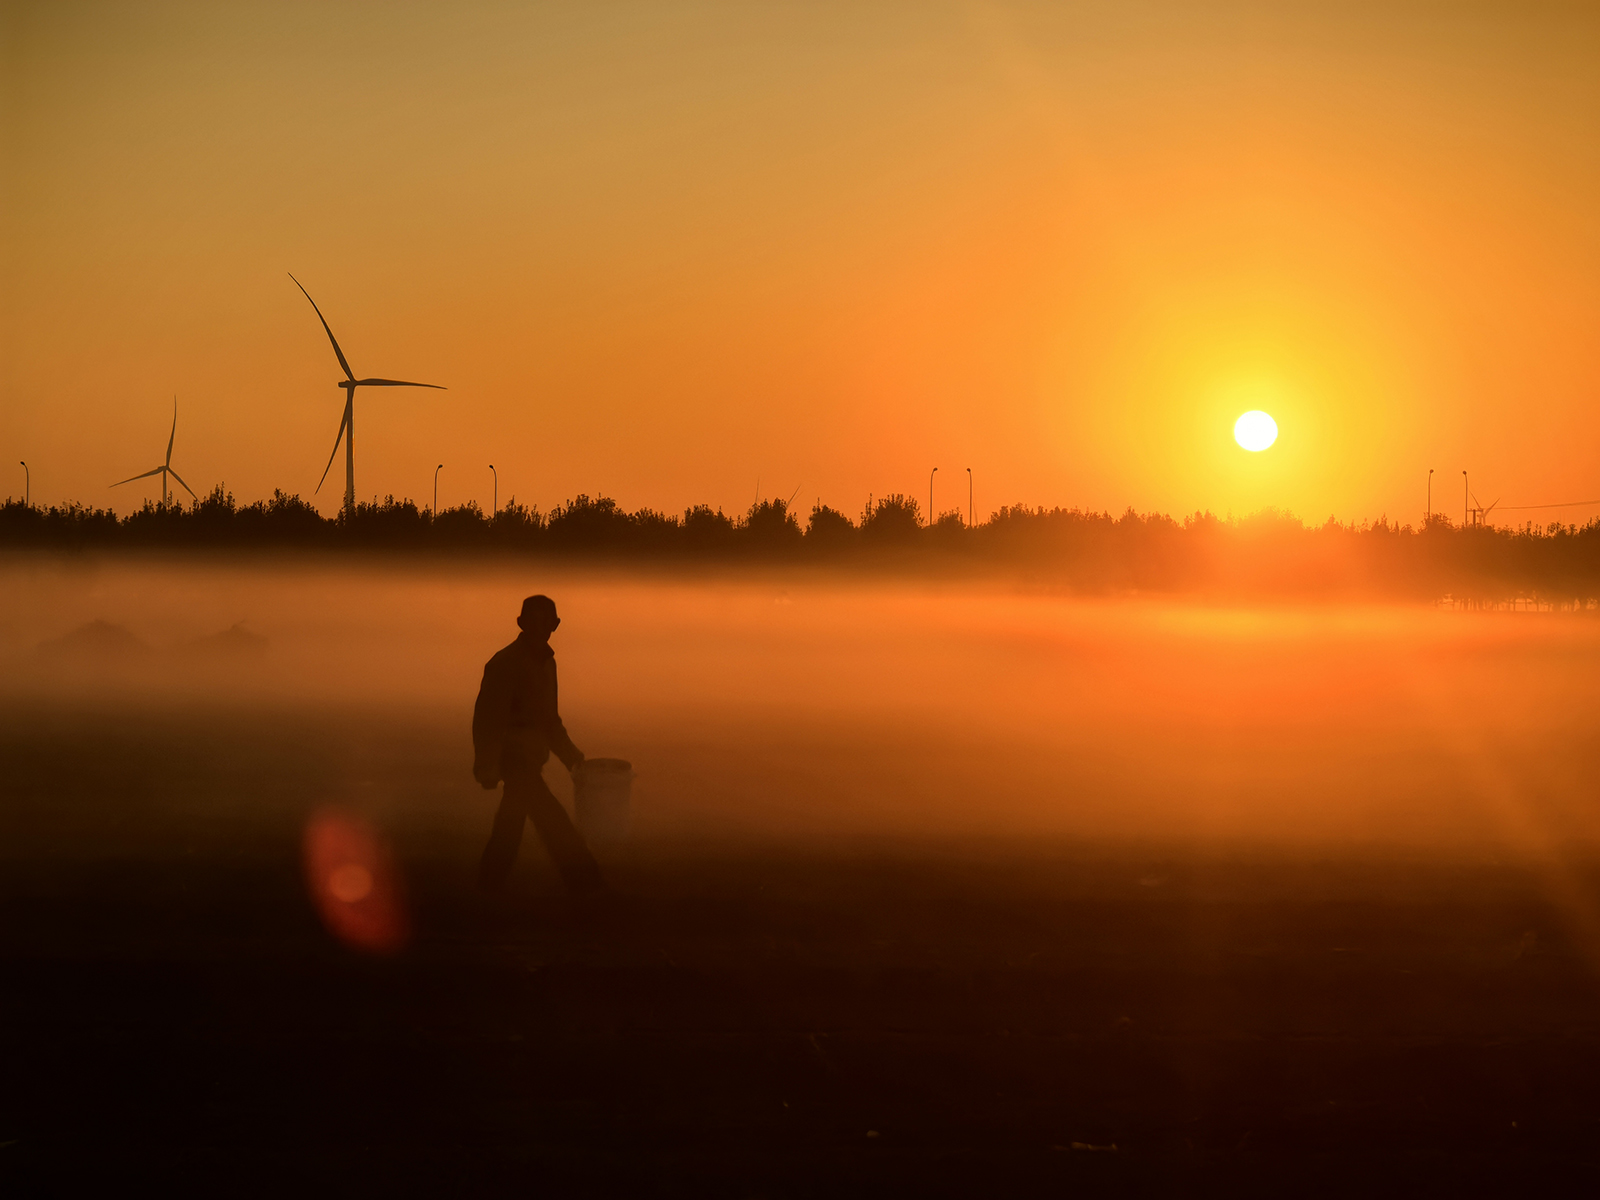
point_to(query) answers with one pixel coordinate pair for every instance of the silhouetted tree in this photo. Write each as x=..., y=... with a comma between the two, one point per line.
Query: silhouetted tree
x=393, y=523
x=769, y=527
x=705, y=531
x=894, y=518
x=283, y=520
x=585, y=524
x=516, y=526
x=72, y=527
x=655, y=532
x=829, y=529
x=462, y=526
x=949, y=530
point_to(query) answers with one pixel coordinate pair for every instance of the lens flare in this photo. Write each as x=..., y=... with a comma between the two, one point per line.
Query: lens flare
x=350, y=883
x=1255, y=430
x=354, y=882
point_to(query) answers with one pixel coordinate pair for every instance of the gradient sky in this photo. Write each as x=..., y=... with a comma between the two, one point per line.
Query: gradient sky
x=676, y=252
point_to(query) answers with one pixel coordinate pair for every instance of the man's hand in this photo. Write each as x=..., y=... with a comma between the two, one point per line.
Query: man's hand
x=487, y=779
x=572, y=767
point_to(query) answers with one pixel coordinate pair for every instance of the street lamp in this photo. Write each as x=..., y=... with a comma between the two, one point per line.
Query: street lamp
x=496, y=508
x=931, y=474
x=1430, y=495
x=436, y=471
x=1464, y=501
x=969, y=497
x=27, y=486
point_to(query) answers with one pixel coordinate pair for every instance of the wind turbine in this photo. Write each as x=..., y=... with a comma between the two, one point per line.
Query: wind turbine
x=1480, y=514
x=347, y=424
x=165, y=468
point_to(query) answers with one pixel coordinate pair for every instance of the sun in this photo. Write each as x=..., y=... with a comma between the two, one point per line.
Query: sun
x=1255, y=430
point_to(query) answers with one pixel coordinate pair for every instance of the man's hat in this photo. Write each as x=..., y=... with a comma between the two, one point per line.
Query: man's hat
x=538, y=612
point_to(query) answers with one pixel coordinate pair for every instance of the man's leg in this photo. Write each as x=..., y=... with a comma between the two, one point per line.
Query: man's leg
x=579, y=871
x=500, y=855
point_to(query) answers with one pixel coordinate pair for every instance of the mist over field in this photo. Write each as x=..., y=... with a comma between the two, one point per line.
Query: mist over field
x=1101, y=887
x=806, y=706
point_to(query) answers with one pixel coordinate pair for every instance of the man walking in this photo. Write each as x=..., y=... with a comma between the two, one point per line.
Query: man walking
x=515, y=726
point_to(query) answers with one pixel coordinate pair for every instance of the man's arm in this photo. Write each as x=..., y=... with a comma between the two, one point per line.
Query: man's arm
x=555, y=732
x=490, y=716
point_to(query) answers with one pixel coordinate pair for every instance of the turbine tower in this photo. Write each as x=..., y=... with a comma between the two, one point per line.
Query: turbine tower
x=165, y=468
x=347, y=424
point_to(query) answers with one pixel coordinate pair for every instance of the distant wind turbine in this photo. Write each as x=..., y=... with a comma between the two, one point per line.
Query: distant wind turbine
x=347, y=424
x=165, y=468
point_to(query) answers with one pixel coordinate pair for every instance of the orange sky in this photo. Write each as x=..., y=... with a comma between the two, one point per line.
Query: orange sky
x=663, y=251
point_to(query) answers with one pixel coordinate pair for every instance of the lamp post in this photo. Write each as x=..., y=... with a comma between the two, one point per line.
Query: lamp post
x=436, y=471
x=1464, y=500
x=1429, y=517
x=969, y=497
x=931, y=474
x=27, y=486
x=496, y=508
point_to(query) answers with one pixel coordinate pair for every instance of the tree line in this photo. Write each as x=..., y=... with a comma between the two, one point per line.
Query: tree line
x=1269, y=554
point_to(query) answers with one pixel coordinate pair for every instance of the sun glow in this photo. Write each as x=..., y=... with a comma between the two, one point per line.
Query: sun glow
x=1255, y=430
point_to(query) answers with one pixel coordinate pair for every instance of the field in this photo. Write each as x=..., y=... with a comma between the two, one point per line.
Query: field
x=936, y=888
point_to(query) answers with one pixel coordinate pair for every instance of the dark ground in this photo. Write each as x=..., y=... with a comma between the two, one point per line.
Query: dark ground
x=745, y=1020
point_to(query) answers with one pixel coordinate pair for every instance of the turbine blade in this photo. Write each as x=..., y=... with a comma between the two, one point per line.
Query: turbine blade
x=348, y=373
x=179, y=478
x=173, y=436
x=343, y=421
x=146, y=475
x=400, y=383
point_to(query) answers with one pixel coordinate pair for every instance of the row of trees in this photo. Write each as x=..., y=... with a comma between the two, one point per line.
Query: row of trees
x=1267, y=554
x=582, y=525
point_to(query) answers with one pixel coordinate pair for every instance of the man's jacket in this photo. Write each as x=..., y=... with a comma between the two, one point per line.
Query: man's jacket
x=515, y=724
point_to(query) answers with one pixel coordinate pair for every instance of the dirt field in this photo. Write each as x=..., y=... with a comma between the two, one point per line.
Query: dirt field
x=934, y=891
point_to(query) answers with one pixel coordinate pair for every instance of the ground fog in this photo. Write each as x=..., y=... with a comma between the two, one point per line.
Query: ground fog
x=802, y=707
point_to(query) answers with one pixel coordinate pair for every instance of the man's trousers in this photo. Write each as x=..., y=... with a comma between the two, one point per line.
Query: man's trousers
x=528, y=798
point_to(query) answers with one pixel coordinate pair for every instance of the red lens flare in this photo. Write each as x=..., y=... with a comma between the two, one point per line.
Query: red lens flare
x=355, y=883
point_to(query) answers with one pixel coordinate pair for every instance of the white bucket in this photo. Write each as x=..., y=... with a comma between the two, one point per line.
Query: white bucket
x=601, y=788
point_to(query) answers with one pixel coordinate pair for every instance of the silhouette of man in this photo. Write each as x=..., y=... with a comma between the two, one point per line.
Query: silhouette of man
x=515, y=726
